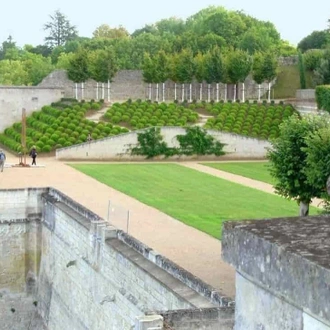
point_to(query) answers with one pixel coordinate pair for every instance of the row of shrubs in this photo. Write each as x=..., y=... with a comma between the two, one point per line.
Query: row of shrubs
x=55, y=127
x=258, y=121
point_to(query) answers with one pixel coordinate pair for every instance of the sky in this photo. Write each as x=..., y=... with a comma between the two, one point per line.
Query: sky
x=24, y=19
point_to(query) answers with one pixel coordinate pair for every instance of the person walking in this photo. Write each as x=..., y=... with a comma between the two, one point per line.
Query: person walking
x=33, y=154
x=2, y=160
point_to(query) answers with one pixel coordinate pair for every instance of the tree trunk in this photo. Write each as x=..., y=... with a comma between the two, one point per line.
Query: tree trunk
x=259, y=92
x=82, y=91
x=163, y=92
x=182, y=93
x=109, y=98
x=201, y=92
x=243, y=92
x=235, y=93
x=190, y=93
x=208, y=92
x=175, y=92
x=97, y=91
x=217, y=92
x=304, y=209
x=268, y=92
x=102, y=91
x=150, y=92
x=225, y=92
x=157, y=92
x=76, y=91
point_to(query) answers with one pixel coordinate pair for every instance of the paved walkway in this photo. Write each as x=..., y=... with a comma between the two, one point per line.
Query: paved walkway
x=190, y=248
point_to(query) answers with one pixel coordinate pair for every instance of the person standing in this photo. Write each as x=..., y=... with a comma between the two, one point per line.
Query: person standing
x=33, y=154
x=2, y=160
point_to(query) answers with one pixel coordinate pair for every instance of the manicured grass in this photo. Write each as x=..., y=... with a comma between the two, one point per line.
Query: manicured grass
x=197, y=199
x=288, y=81
x=252, y=170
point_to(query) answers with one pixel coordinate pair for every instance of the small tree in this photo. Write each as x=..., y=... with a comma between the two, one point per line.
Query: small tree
x=162, y=71
x=302, y=71
x=149, y=71
x=239, y=64
x=288, y=160
x=270, y=69
x=200, y=72
x=257, y=71
x=60, y=30
x=78, y=70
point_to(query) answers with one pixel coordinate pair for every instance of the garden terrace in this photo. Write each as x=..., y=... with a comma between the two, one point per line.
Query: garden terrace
x=249, y=119
x=60, y=125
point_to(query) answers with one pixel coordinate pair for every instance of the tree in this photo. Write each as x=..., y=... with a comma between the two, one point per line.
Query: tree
x=322, y=73
x=270, y=69
x=149, y=71
x=288, y=160
x=316, y=40
x=9, y=50
x=257, y=71
x=78, y=70
x=103, y=68
x=302, y=71
x=161, y=71
x=215, y=69
x=13, y=73
x=60, y=30
x=185, y=70
x=239, y=64
x=105, y=31
x=200, y=72
x=318, y=159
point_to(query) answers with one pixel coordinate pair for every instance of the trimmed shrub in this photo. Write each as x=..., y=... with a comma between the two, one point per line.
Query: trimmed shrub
x=322, y=94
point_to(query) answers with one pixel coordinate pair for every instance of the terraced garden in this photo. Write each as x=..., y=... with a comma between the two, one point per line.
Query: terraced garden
x=60, y=125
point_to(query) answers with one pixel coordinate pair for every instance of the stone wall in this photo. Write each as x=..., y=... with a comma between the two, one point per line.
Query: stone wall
x=13, y=99
x=288, y=60
x=117, y=147
x=305, y=94
x=129, y=84
x=63, y=267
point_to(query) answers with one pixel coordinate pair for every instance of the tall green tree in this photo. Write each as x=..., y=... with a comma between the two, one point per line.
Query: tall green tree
x=162, y=72
x=270, y=68
x=149, y=72
x=78, y=70
x=59, y=30
x=185, y=70
x=288, y=160
x=239, y=65
x=102, y=68
x=200, y=72
x=257, y=71
x=105, y=31
x=302, y=71
x=8, y=47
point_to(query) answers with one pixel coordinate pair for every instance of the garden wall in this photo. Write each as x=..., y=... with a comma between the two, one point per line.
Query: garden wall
x=63, y=267
x=13, y=99
x=129, y=84
x=118, y=147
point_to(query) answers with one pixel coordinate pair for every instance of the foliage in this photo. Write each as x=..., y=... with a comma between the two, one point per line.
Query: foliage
x=200, y=68
x=312, y=59
x=144, y=114
x=78, y=70
x=161, y=67
x=60, y=125
x=257, y=68
x=197, y=141
x=302, y=72
x=151, y=144
x=185, y=67
x=239, y=65
x=288, y=159
x=215, y=68
x=149, y=69
x=254, y=120
x=322, y=94
x=60, y=30
x=316, y=40
x=105, y=31
x=322, y=73
x=270, y=66
x=318, y=159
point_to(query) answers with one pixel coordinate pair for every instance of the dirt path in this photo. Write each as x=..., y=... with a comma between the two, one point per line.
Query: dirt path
x=238, y=179
x=190, y=248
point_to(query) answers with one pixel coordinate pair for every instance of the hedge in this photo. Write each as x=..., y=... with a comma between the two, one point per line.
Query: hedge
x=323, y=97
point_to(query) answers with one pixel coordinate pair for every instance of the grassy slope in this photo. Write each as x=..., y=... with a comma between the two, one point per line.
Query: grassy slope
x=197, y=199
x=288, y=81
x=256, y=171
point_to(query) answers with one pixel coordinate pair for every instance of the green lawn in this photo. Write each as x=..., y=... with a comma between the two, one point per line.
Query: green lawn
x=197, y=199
x=252, y=170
